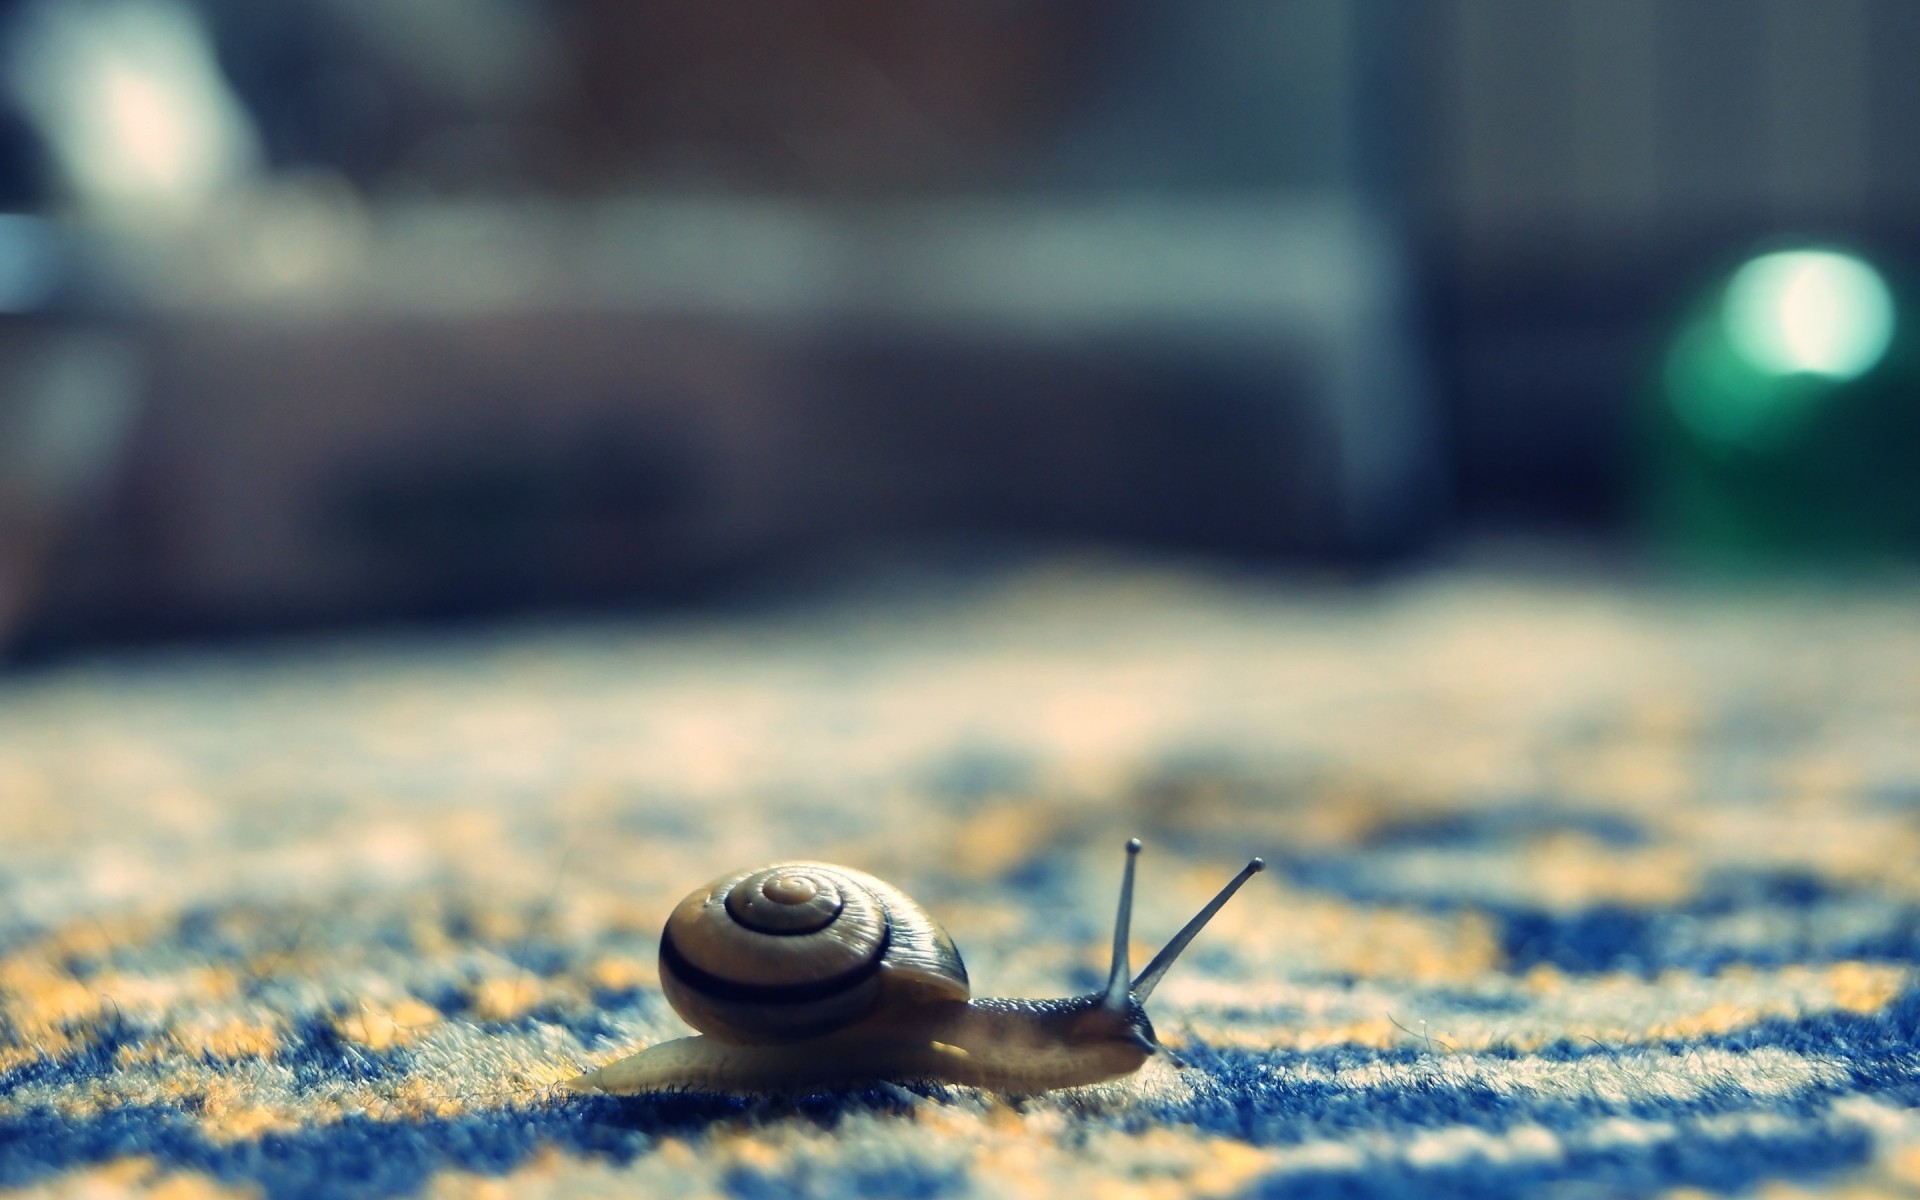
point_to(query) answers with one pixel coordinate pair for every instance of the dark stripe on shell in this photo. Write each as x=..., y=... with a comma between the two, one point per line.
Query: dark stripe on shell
x=716, y=988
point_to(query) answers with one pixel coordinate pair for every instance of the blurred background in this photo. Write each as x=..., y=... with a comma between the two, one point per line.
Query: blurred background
x=330, y=312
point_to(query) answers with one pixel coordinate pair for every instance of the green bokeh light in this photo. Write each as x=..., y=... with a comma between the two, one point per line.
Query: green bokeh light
x=1787, y=330
x=1815, y=312
x=1787, y=424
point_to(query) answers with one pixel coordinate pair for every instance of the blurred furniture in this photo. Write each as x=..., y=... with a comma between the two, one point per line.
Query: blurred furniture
x=605, y=305
x=475, y=407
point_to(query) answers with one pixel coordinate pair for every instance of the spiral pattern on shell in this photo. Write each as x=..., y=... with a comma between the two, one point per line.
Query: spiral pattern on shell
x=794, y=950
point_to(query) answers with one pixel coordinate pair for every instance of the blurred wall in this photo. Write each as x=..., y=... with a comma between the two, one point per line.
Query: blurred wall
x=1587, y=168
x=481, y=305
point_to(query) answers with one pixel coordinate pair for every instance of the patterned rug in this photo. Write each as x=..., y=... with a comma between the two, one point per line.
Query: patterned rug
x=1573, y=888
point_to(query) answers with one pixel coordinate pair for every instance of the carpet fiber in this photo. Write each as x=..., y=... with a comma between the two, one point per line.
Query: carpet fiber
x=1573, y=888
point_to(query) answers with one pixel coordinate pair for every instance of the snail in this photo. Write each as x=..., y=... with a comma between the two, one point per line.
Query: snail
x=806, y=974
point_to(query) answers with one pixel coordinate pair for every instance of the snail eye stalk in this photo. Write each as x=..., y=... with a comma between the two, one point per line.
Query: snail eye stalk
x=1117, y=998
x=1150, y=978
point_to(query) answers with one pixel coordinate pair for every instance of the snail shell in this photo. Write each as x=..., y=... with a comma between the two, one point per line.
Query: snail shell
x=801, y=949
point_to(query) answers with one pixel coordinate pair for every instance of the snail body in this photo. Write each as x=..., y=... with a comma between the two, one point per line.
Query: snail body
x=811, y=975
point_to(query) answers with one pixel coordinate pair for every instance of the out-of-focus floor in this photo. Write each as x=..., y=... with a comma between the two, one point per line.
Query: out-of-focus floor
x=1571, y=882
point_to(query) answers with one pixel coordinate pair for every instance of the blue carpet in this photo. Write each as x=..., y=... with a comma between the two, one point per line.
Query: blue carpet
x=1573, y=890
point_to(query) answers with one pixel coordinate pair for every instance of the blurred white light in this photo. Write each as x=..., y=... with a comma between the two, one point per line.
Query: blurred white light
x=1811, y=312
x=131, y=101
